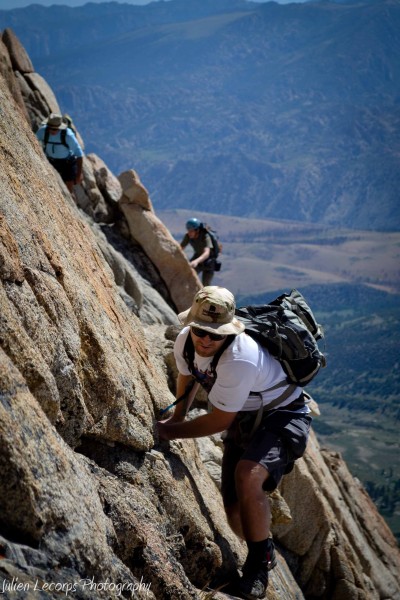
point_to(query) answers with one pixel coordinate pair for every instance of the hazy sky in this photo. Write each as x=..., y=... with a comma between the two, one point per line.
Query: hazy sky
x=7, y=4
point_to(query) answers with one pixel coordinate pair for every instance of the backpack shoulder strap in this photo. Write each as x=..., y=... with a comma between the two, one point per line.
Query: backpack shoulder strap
x=46, y=137
x=217, y=356
x=188, y=353
x=63, y=135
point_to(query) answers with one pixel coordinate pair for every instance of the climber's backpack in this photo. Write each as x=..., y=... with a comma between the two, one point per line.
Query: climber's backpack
x=289, y=331
x=217, y=247
x=69, y=123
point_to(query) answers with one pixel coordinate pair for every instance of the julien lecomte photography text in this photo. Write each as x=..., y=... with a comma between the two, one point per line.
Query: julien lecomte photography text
x=72, y=587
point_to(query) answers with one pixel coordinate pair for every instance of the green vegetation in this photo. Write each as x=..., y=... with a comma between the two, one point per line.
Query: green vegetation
x=363, y=382
x=387, y=498
x=370, y=446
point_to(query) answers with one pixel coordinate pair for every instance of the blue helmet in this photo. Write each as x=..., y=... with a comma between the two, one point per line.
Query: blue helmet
x=193, y=224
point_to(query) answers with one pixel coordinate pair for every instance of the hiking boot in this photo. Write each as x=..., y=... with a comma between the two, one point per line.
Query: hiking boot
x=254, y=581
x=229, y=587
x=253, y=585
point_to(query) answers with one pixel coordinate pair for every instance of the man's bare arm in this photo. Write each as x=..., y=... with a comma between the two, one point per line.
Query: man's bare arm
x=214, y=422
x=182, y=408
x=200, y=259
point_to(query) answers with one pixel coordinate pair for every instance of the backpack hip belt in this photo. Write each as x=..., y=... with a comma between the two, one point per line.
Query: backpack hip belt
x=244, y=417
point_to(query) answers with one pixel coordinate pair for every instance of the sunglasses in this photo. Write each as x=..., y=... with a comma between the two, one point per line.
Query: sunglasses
x=201, y=333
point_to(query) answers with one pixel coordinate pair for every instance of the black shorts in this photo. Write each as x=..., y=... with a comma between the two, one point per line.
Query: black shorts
x=67, y=167
x=281, y=439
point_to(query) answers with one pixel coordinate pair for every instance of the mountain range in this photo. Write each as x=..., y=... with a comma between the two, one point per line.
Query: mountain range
x=254, y=110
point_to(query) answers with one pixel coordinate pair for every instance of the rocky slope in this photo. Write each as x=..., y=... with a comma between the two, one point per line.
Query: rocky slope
x=91, y=505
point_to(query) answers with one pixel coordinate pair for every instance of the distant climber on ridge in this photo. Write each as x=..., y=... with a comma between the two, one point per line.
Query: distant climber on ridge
x=204, y=257
x=62, y=149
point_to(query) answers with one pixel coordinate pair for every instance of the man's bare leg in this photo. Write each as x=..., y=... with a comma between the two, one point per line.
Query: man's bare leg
x=254, y=508
x=250, y=518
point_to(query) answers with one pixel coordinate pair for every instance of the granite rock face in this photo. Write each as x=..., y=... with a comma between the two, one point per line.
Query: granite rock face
x=78, y=376
x=90, y=502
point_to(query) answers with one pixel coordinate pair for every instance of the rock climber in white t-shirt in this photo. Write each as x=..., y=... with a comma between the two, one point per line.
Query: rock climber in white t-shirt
x=260, y=445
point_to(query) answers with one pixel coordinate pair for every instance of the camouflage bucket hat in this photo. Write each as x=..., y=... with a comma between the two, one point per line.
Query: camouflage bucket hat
x=213, y=310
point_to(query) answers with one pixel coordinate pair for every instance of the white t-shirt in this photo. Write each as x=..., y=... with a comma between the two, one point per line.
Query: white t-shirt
x=244, y=367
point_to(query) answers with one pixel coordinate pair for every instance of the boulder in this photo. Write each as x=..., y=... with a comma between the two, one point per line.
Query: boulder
x=37, y=83
x=134, y=191
x=7, y=72
x=19, y=57
x=106, y=181
x=89, y=197
x=157, y=242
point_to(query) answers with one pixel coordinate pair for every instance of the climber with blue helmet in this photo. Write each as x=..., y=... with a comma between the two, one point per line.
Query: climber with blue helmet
x=203, y=259
x=193, y=223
